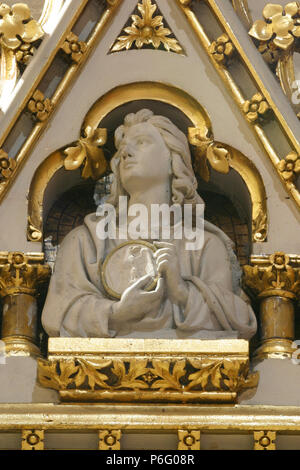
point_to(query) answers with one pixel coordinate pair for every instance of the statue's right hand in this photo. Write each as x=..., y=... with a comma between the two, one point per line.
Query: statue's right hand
x=135, y=302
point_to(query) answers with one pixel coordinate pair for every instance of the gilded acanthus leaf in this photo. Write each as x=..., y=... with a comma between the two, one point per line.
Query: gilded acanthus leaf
x=167, y=379
x=207, y=371
x=147, y=29
x=91, y=371
x=130, y=379
x=52, y=375
x=259, y=226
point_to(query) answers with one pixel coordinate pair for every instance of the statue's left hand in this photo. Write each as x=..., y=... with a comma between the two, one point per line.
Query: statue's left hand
x=168, y=266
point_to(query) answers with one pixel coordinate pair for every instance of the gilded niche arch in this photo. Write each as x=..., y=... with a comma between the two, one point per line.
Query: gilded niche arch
x=87, y=152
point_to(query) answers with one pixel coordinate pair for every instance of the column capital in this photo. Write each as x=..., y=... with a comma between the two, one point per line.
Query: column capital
x=21, y=273
x=277, y=274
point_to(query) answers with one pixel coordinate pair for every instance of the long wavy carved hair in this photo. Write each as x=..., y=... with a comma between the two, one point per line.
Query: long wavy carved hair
x=184, y=183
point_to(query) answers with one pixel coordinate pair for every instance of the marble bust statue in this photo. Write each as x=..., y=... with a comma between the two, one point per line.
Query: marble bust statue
x=164, y=290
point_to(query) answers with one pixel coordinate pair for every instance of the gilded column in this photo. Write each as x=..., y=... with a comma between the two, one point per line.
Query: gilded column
x=20, y=276
x=275, y=280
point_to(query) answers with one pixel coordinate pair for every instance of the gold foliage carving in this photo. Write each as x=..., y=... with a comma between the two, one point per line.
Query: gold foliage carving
x=147, y=29
x=281, y=25
x=87, y=152
x=290, y=167
x=147, y=375
x=7, y=166
x=222, y=49
x=256, y=109
x=276, y=275
x=17, y=27
x=20, y=273
x=73, y=47
x=39, y=106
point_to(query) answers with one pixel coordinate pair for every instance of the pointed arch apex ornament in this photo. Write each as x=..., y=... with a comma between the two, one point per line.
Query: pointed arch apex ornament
x=147, y=28
x=221, y=157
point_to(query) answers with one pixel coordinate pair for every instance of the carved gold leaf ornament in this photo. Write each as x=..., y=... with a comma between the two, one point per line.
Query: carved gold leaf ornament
x=21, y=273
x=259, y=226
x=147, y=29
x=73, y=47
x=17, y=26
x=186, y=377
x=222, y=49
x=207, y=150
x=290, y=166
x=276, y=277
x=87, y=152
x=256, y=109
x=269, y=51
x=282, y=25
x=39, y=106
x=7, y=165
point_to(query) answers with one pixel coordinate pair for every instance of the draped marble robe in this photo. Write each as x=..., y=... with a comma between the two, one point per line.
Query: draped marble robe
x=78, y=306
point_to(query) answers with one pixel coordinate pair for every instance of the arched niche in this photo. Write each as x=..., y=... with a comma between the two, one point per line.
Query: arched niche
x=51, y=178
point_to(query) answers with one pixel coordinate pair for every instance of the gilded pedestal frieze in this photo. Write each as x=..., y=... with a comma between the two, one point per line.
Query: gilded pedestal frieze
x=20, y=276
x=275, y=279
x=124, y=370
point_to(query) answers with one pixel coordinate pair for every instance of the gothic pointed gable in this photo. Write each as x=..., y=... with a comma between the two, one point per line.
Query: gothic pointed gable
x=219, y=70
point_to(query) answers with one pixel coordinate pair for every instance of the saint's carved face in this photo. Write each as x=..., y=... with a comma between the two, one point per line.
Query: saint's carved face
x=145, y=160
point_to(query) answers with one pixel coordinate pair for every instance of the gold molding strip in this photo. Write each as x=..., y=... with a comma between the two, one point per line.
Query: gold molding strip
x=237, y=95
x=229, y=419
x=197, y=137
x=70, y=75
